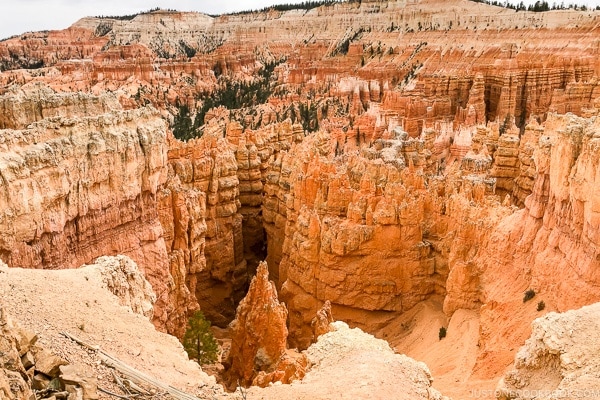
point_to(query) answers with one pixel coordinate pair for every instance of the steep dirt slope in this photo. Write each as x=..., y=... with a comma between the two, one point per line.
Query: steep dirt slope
x=48, y=302
x=557, y=359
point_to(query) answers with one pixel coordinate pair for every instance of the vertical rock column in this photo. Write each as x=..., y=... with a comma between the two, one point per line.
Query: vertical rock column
x=259, y=337
x=259, y=331
x=251, y=188
x=182, y=213
x=207, y=170
x=506, y=162
x=524, y=182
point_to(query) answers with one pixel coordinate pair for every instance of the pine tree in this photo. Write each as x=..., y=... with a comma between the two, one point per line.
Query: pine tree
x=183, y=128
x=198, y=341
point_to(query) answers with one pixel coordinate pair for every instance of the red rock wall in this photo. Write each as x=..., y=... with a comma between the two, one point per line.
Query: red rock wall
x=550, y=246
x=343, y=216
x=207, y=168
x=77, y=187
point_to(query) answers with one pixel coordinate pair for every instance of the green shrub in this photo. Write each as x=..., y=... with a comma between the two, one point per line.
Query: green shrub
x=541, y=305
x=442, y=333
x=529, y=294
x=198, y=341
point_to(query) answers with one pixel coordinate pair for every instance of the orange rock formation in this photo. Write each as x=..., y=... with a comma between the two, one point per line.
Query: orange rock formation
x=259, y=337
x=321, y=323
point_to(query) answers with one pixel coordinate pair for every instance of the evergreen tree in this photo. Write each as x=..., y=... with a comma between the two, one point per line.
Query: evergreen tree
x=182, y=126
x=198, y=341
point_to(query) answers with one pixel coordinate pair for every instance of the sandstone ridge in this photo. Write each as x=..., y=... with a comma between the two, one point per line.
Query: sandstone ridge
x=556, y=360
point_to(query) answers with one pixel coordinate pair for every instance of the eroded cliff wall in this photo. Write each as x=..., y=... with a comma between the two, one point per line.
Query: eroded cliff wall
x=85, y=184
x=551, y=245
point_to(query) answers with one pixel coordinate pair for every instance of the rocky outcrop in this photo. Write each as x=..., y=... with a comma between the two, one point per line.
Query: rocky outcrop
x=259, y=337
x=550, y=246
x=80, y=186
x=376, y=371
x=38, y=49
x=208, y=227
x=254, y=151
x=335, y=212
x=557, y=359
x=75, y=188
x=20, y=108
x=15, y=384
x=344, y=214
x=321, y=323
x=506, y=162
x=249, y=172
x=121, y=276
x=26, y=368
x=182, y=214
x=523, y=184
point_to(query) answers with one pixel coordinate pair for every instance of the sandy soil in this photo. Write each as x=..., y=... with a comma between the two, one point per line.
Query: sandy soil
x=48, y=302
x=450, y=360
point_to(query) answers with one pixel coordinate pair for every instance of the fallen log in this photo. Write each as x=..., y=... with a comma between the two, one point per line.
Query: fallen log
x=131, y=373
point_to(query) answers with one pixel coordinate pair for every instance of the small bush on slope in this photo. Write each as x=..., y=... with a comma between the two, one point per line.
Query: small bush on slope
x=198, y=341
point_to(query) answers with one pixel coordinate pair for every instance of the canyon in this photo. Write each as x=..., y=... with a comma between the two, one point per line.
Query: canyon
x=412, y=165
